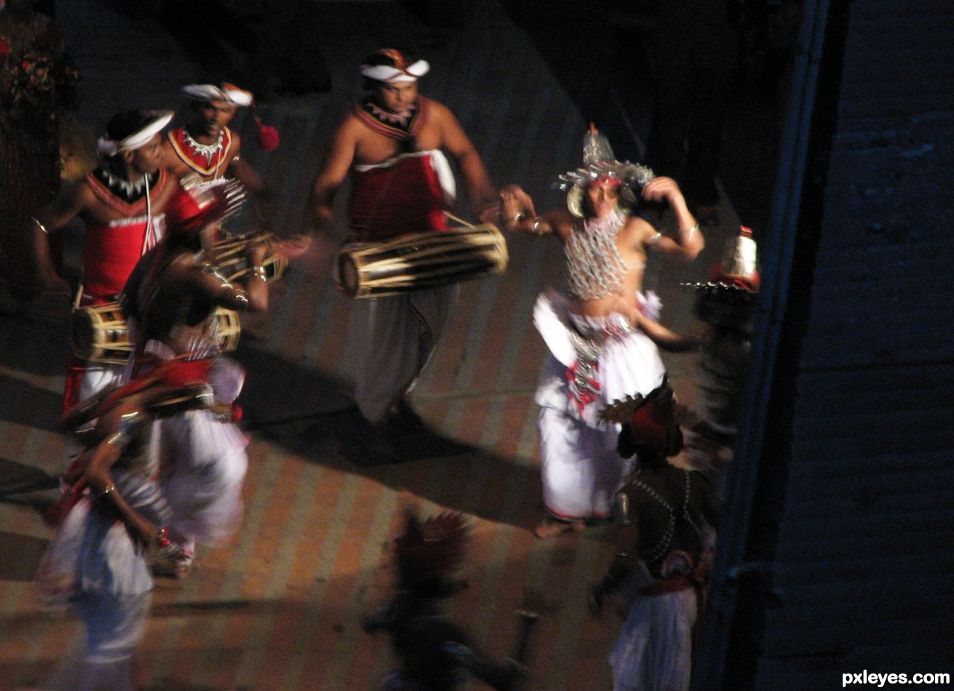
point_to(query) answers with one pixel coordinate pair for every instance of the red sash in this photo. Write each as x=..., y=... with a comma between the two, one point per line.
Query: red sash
x=390, y=201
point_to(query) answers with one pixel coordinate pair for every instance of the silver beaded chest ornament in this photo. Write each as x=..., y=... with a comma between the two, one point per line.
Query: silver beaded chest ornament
x=594, y=267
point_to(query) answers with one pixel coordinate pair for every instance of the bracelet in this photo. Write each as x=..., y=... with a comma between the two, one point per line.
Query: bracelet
x=39, y=225
x=537, y=227
x=108, y=489
x=258, y=271
x=655, y=238
x=693, y=229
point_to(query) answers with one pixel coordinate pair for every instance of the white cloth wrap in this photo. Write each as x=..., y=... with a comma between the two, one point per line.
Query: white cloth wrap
x=653, y=651
x=581, y=470
x=94, y=564
x=98, y=375
x=203, y=460
x=628, y=363
x=438, y=161
x=93, y=552
x=205, y=464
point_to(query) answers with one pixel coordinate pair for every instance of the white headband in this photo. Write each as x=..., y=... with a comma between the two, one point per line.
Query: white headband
x=108, y=148
x=391, y=74
x=227, y=92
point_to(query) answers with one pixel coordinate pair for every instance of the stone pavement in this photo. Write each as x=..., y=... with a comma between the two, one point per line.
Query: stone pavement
x=280, y=606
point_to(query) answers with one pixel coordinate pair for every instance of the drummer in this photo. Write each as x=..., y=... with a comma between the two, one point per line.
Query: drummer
x=122, y=203
x=392, y=144
x=206, y=146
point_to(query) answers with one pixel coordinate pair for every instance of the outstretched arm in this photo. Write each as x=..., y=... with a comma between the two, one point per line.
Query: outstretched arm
x=252, y=296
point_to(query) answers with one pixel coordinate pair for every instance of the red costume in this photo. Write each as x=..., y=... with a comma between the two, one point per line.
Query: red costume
x=403, y=194
x=111, y=251
x=206, y=160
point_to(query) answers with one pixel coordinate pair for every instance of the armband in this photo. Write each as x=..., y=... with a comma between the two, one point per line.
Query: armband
x=120, y=439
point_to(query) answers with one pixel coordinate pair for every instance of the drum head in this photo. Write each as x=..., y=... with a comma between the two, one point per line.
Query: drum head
x=348, y=275
x=82, y=334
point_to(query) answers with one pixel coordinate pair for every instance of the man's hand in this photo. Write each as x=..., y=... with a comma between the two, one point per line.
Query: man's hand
x=515, y=205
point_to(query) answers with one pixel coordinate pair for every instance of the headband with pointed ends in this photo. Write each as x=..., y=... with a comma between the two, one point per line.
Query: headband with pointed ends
x=220, y=92
x=600, y=164
x=390, y=66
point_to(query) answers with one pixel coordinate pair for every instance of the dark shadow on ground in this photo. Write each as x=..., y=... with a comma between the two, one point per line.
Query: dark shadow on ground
x=28, y=551
x=17, y=478
x=43, y=410
x=37, y=345
x=308, y=413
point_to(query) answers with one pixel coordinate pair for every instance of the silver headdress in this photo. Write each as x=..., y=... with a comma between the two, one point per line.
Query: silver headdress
x=600, y=163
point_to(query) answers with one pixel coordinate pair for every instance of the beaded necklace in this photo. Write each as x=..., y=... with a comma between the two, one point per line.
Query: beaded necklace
x=207, y=151
x=594, y=266
x=661, y=548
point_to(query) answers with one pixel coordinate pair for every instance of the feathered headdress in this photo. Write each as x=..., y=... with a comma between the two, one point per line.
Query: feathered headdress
x=430, y=551
x=650, y=423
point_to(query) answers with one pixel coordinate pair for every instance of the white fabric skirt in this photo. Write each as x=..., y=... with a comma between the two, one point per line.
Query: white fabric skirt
x=580, y=467
x=653, y=651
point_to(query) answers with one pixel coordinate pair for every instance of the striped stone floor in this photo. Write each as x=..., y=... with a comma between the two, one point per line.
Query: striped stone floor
x=279, y=607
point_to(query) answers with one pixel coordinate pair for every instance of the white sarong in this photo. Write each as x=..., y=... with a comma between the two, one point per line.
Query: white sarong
x=593, y=362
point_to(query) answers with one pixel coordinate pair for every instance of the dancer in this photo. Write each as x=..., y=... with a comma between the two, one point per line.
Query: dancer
x=206, y=146
x=667, y=518
x=115, y=518
x=434, y=652
x=598, y=352
x=171, y=298
x=726, y=306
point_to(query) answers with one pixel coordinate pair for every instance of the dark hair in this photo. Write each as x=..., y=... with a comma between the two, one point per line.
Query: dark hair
x=648, y=454
x=128, y=122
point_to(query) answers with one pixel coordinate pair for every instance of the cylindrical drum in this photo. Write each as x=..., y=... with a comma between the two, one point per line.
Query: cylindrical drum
x=100, y=334
x=420, y=260
x=232, y=259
